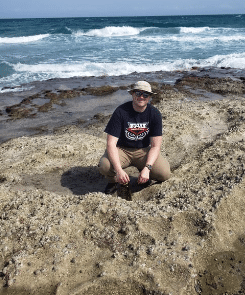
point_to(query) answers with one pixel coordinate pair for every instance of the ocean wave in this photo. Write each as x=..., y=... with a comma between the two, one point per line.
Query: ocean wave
x=23, y=39
x=208, y=40
x=86, y=69
x=61, y=30
x=157, y=31
x=235, y=60
x=111, y=32
x=125, y=67
x=211, y=39
x=39, y=72
x=192, y=30
x=208, y=30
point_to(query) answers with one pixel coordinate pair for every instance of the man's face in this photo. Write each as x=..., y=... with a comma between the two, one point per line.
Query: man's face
x=141, y=98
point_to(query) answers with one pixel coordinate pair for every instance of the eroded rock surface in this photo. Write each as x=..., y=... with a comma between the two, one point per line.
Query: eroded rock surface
x=60, y=234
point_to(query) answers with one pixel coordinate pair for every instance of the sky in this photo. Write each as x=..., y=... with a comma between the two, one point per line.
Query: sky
x=98, y=8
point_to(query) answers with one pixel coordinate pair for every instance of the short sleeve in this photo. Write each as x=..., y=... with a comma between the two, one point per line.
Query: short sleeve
x=156, y=123
x=114, y=125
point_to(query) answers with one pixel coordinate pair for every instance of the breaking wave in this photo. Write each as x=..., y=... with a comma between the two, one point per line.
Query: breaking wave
x=111, y=32
x=194, y=30
x=23, y=39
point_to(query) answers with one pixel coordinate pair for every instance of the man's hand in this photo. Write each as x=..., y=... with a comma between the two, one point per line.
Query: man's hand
x=144, y=175
x=122, y=177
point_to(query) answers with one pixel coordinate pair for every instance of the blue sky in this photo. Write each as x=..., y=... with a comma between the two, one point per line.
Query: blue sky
x=81, y=8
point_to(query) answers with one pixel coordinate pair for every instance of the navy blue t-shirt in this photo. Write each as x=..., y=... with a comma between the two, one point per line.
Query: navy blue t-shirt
x=134, y=129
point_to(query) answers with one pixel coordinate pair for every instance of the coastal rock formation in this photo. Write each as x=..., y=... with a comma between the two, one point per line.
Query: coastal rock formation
x=60, y=234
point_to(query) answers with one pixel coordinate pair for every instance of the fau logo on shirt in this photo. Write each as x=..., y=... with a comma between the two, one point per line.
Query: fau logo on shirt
x=137, y=131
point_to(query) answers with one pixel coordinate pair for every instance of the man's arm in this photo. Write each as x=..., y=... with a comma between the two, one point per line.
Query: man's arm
x=112, y=150
x=151, y=158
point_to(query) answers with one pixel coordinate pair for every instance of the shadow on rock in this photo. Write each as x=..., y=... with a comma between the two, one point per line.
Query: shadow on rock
x=83, y=180
x=112, y=286
x=44, y=290
x=225, y=272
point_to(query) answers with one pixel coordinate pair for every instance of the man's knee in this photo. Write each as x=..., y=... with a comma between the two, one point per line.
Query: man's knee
x=165, y=176
x=104, y=166
x=161, y=177
x=161, y=173
x=161, y=169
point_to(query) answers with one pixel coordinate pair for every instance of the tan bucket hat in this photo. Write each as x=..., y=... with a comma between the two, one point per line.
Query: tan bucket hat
x=143, y=86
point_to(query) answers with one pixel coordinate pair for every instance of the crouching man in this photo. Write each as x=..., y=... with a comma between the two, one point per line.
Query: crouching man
x=134, y=136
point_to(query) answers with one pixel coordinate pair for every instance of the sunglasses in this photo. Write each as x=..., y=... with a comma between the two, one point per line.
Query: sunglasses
x=141, y=93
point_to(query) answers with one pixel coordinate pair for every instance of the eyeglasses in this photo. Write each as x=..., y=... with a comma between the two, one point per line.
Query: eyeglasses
x=141, y=93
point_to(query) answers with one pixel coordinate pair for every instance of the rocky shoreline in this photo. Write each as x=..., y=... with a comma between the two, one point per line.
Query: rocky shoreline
x=45, y=106
x=61, y=235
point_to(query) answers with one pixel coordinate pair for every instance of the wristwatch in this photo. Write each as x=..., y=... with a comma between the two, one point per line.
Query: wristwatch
x=148, y=166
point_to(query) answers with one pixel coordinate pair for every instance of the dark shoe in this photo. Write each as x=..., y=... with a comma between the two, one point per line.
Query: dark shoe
x=145, y=185
x=141, y=186
x=124, y=192
x=110, y=188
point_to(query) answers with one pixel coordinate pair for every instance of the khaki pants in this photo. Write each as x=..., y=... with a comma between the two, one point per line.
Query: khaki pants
x=135, y=157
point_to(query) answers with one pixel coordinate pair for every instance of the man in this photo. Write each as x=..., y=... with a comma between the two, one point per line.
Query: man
x=134, y=136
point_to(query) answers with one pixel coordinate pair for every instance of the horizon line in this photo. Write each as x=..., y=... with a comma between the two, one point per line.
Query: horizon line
x=51, y=17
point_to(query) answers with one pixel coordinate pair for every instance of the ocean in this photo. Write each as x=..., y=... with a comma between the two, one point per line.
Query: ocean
x=42, y=49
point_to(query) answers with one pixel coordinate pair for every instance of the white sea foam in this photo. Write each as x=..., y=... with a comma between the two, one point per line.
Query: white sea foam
x=123, y=68
x=208, y=39
x=26, y=73
x=48, y=71
x=104, y=47
x=23, y=39
x=111, y=32
x=188, y=30
x=15, y=89
x=232, y=60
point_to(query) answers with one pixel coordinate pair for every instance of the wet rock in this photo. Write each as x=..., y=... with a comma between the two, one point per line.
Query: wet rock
x=101, y=117
x=103, y=90
x=67, y=94
x=19, y=112
x=45, y=107
x=217, y=85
